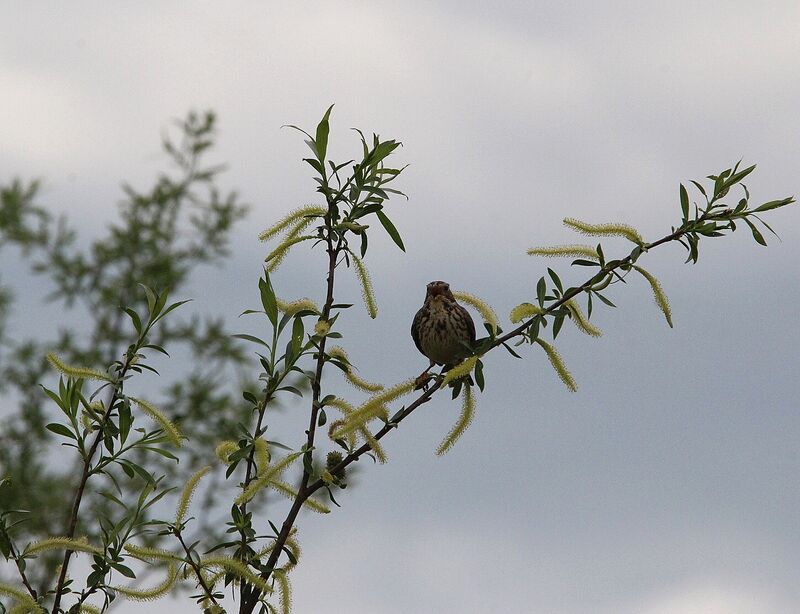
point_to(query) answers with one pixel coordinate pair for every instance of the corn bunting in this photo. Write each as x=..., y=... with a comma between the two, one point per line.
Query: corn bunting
x=442, y=328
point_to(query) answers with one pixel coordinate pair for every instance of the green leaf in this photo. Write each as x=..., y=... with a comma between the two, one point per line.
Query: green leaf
x=541, y=291
x=604, y=299
x=111, y=497
x=322, y=418
x=125, y=571
x=558, y=321
x=700, y=187
x=157, y=348
x=555, y=278
x=291, y=389
x=125, y=421
x=137, y=322
x=268, y=299
x=251, y=338
x=313, y=163
x=151, y=298
x=60, y=429
x=479, y=375
x=381, y=151
x=756, y=234
x=323, y=129
x=297, y=335
x=387, y=224
x=173, y=306
x=131, y=468
x=600, y=255
x=684, y=202
x=290, y=555
x=510, y=351
x=774, y=204
x=737, y=177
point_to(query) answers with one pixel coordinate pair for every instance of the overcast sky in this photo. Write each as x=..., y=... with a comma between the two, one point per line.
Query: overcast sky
x=668, y=484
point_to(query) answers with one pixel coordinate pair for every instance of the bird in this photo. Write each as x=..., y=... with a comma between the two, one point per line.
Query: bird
x=442, y=330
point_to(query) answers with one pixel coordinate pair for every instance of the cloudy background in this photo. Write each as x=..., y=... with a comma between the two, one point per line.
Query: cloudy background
x=668, y=484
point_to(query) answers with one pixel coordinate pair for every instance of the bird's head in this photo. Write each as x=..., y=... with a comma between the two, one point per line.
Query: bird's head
x=438, y=290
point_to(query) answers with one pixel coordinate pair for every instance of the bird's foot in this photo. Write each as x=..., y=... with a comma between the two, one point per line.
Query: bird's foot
x=421, y=383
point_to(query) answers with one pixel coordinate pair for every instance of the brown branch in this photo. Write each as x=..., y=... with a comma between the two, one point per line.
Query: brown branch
x=249, y=602
x=86, y=472
x=247, y=479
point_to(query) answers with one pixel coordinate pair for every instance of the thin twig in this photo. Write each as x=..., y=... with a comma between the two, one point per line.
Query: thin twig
x=195, y=567
x=15, y=555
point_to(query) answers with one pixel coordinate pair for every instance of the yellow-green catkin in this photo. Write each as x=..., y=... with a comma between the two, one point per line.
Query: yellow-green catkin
x=151, y=554
x=150, y=594
x=294, y=547
x=356, y=228
x=605, y=230
x=169, y=428
x=658, y=293
x=487, y=313
x=460, y=370
x=581, y=321
x=293, y=307
x=261, y=455
x=92, y=414
x=565, y=251
x=357, y=381
x=186, y=495
x=524, y=311
x=463, y=422
x=76, y=372
x=295, y=217
x=377, y=448
x=290, y=493
x=284, y=590
x=322, y=328
x=277, y=255
x=238, y=569
x=224, y=449
x=366, y=286
x=89, y=609
x=373, y=408
x=347, y=409
x=22, y=597
x=291, y=544
x=558, y=364
x=268, y=476
x=63, y=543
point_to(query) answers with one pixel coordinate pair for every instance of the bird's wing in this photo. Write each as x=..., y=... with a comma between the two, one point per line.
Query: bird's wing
x=415, y=325
x=470, y=326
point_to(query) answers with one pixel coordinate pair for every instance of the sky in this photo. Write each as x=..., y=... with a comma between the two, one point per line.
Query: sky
x=667, y=484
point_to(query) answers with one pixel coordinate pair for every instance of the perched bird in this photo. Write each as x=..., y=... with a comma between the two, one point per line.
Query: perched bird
x=442, y=330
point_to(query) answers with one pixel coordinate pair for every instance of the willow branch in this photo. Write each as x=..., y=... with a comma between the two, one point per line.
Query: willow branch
x=426, y=396
x=248, y=602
